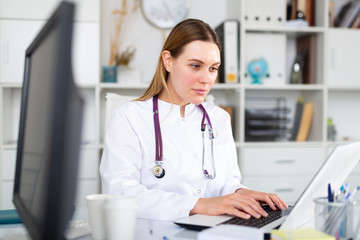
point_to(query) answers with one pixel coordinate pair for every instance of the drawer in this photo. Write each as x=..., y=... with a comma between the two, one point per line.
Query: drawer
x=270, y=161
x=8, y=164
x=89, y=164
x=288, y=188
x=7, y=188
x=84, y=188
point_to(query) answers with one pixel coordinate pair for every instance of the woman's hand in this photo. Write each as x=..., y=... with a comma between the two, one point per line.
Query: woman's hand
x=244, y=204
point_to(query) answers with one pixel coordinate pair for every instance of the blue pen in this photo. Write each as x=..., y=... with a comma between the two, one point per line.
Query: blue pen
x=330, y=194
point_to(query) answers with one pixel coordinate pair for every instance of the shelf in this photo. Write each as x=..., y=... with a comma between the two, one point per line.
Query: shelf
x=123, y=86
x=226, y=86
x=11, y=84
x=9, y=146
x=282, y=144
x=344, y=88
x=337, y=143
x=287, y=30
x=313, y=87
x=82, y=85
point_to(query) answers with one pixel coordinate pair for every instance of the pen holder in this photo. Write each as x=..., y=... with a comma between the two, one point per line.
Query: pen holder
x=334, y=218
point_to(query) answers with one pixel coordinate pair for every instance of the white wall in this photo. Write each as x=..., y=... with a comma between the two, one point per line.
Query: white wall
x=148, y=40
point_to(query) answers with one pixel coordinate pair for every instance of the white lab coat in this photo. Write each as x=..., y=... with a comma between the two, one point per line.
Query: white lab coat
x=129, y=157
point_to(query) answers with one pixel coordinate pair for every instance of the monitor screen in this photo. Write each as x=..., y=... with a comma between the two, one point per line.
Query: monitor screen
x=50, y=131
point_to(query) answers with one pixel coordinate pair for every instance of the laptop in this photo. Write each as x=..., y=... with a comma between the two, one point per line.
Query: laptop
x=334, y=170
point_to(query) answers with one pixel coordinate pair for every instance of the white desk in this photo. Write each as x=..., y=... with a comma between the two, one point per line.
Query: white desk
x=142, y=232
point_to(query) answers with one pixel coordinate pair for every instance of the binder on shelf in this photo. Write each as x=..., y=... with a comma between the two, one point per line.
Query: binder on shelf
x=230, y=111
x=297, y=119
x=267, y=123
x=229, y=34
x=265, y=13
x=307, y=8
x=305, y=123
x=308, y=44
x=347, y=14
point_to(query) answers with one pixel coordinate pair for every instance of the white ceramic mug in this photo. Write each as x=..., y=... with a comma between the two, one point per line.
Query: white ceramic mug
x=95, y=205
x=120, y=217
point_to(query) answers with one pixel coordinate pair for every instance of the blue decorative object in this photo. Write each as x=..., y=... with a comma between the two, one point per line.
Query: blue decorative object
x=109, y=74
x=258, y=69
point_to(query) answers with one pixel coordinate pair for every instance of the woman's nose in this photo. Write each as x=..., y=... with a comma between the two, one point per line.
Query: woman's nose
x=207, y=77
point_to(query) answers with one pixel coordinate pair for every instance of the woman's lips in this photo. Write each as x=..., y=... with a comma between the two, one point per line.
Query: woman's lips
x=200, y=91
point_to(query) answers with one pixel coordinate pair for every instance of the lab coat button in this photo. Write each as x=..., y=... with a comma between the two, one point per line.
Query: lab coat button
x=199, y=191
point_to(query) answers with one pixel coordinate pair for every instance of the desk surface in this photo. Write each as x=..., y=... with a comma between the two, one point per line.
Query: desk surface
x=145, y=229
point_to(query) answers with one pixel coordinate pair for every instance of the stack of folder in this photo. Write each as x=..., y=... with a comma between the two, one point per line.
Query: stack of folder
x=300, y=234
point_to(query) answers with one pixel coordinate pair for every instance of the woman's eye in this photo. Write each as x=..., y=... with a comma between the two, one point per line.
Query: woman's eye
x=195, y=66
x=213, y=69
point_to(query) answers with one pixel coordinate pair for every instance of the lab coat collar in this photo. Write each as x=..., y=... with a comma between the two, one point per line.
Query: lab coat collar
x=165, y=108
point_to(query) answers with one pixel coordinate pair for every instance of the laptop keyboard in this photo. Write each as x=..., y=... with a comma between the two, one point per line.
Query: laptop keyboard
x=260, y=222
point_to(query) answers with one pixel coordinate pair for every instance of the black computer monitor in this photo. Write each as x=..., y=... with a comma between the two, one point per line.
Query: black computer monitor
x=49, y=132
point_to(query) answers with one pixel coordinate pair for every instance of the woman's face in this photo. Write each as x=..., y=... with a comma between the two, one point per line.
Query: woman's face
x=193, y=72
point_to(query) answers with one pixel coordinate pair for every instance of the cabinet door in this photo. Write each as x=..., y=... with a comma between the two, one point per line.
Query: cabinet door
x=25, y=9
x=7, y=178
x=86, y=54
x=8, y=165
x=15, y=38
x=89, y=164
x=344, y=52
x=86, y=10
x=11, y=101
x=7, y=188
x=88, y=182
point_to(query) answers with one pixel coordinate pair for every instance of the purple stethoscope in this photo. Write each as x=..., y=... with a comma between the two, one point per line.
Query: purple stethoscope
x=158, y=170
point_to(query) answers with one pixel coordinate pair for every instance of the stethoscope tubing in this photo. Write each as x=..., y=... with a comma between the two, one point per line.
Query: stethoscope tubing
x=158, y=170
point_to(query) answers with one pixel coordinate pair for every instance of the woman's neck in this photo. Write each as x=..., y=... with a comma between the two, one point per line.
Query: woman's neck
x=165, y=96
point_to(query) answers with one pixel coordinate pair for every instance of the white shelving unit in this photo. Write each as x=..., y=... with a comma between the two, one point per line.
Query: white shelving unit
x=285, y=168
x=280, y=167
x=20, y=21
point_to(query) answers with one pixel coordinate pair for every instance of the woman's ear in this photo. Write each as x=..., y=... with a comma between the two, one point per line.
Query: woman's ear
x=167, y=60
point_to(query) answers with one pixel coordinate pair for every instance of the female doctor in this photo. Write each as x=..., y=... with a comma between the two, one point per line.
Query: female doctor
x=171, y=150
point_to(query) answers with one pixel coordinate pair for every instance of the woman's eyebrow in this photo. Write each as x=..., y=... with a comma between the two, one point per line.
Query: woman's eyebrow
x=198, y=60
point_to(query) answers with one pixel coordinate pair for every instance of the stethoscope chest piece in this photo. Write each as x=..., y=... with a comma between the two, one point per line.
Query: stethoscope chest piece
x=158, y=171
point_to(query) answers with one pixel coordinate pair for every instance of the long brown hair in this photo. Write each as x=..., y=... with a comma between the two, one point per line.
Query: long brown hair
x=182, y=34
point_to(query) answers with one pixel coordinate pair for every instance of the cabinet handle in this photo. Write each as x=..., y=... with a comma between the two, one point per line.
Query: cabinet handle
x=282, y=190
x=285, y=161
x=332, y=59
x=6, y=51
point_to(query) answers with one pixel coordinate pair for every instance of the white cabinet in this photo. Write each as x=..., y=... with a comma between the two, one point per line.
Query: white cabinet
x=25, y=10
x=289, y=188
x=86, y=54
x=15, y=37
x=285, y=167
x=281, y=161
x=285, y=171
x=20, y=22
x=344, y=52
